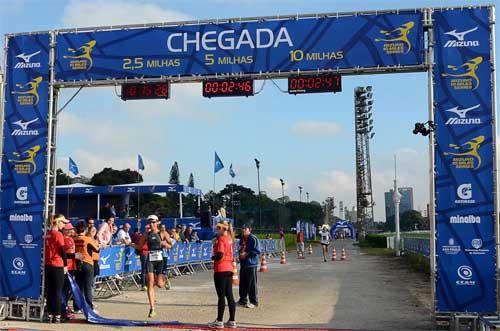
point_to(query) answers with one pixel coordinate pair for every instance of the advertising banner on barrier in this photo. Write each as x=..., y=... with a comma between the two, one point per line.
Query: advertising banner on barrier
x=24, y=165
x=465, y=206
x=320, y=43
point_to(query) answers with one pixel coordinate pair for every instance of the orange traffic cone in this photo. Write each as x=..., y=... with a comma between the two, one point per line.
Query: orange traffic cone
x=334, y=254
x=236, y=280
x=283, y=258
x=263, y=264
x=343, y=257
x=310, y=250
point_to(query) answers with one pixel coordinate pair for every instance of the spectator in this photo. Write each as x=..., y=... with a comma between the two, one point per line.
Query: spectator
x=188, y=234
x=282, y=233
x=165, y=236
x=55, y=267
x=249, y=252
x=105, y=233
x=177, y=236
x=95, y=258
x=182, y=232
x=90, y=222
x=195, y=238
x=69, y=249
x=300, y=244
x=143, y=254
x=136, y=236
x=123, y=237
x=86, y=246
x=106, y=211
x=112, y=210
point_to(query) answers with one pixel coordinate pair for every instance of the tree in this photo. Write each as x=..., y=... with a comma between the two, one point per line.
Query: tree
x=62, y=178
x=174, y=174
x=191, y=180
x=109, y=176
x=408, y=221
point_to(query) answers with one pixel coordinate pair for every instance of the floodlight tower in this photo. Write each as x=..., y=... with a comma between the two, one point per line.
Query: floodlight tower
x=363, y=102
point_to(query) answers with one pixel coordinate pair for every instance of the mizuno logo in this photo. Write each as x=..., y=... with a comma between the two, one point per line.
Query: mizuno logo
x=462, y=116
x=459, y=40
x=24, y=125
x=23, y=131
x=26, y=61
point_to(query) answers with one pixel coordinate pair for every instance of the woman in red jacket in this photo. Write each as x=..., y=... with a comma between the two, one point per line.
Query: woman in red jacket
x=223, y=275
x=55, y=267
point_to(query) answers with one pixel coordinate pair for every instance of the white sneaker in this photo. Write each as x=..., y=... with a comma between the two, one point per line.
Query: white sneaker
x=216, y=324
x=250, y=305
x=230, y=325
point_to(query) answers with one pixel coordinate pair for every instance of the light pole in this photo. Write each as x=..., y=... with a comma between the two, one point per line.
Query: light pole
x=282, y=191
x=300, y=193
x=257, y=165
x=396, y=198
x=307, y=195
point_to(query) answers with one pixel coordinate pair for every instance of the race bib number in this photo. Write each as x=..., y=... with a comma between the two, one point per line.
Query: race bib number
x=155, y=256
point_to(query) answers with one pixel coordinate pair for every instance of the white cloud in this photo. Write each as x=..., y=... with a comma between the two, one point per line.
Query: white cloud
x=116, y=12
x=317, y=128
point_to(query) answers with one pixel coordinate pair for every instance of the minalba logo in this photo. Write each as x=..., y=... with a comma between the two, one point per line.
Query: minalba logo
x=26, y=61
x=22, y=195
x=397, y=38
x=462, y=118
x=465, y=219
x=81, y=56
x=459, y=39
x=24, y=128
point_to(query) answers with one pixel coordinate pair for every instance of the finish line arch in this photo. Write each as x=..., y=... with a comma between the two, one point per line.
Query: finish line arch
x=455, y=46
x=343, y=225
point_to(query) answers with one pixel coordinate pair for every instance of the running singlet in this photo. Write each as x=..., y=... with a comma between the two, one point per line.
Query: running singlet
x=325, y=237
x=224, y=245
x=154, y=247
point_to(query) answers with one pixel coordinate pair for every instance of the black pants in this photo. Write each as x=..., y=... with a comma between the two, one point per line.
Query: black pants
x=68, y=294
x=54, y=281
x=248, y=285
x=144, y=261
x=85, y=281
x=224, y=287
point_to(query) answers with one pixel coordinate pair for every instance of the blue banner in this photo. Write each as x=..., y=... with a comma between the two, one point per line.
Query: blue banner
x=24, y=165
x=465, y=198
x=337, y=42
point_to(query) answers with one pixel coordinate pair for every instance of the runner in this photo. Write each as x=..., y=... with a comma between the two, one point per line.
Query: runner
x=154, y=262
x=223, y=275
x=325, y=238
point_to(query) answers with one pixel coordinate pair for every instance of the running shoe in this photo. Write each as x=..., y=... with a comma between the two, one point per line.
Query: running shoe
x=230, y=325
x=216, y=324
x=152, y=313
x=243, y=304
x=250, y=305
x=144, y=288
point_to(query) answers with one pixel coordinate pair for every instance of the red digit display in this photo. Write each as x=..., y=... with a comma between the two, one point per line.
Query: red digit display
x=145, y=91
x=228, y=88
x=314, y=84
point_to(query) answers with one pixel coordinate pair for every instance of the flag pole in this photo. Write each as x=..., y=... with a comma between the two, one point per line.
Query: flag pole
x=138, y=195
x=232, y=202
x=67, y=192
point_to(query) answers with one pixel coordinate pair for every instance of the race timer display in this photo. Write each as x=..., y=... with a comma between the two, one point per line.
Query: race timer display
x=314, y=84
x=145, y=91
x=228, y=88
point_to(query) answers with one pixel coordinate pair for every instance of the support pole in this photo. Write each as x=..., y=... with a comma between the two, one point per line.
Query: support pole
x=181, y=214
x=396, y=198
x=98, y=206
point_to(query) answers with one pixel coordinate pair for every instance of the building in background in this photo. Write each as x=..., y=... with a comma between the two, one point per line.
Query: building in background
x=405, y=204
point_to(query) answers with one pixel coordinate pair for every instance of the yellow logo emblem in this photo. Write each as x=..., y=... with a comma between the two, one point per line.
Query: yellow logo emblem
x=82, y=56
x=396, y=39
x=25, y=161
x=28, y=93
x=467, y=153
x=466, y=74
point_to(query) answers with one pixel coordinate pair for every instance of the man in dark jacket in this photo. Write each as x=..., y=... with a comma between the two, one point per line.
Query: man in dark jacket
x=249, y=251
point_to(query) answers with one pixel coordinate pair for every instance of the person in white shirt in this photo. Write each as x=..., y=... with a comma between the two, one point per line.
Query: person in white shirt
x=123, y=237
x=325, y=238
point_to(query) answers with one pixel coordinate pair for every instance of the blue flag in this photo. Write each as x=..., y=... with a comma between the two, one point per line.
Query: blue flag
x=73, y=168
x=231, y=171
x=140, y=162
x=218, y=165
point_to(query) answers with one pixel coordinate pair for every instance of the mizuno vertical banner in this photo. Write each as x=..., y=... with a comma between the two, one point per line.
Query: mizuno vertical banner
x=24, y=165
x=465, y=190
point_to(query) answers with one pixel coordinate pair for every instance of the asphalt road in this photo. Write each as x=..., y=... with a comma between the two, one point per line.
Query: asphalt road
x=365, y=292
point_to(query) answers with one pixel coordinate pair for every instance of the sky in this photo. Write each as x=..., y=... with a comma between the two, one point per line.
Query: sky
x=307, y=140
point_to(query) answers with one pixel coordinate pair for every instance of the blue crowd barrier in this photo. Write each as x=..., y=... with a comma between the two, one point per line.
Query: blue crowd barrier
x=417, y=246
x=117, y=260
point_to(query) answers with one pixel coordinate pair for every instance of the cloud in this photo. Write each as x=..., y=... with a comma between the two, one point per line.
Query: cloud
x=116, y=12
x=317, y=128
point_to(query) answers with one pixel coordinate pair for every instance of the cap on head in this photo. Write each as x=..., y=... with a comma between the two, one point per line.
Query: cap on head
x=152, y=218
x=68, y=226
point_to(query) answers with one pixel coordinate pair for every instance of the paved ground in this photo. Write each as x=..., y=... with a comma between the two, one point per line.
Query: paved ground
x=364, y=292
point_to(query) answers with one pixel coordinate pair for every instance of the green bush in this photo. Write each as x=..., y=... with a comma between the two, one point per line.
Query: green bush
x=374, y=240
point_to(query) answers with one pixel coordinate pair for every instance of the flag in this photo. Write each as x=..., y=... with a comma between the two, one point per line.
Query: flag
x=231, y=171
x=73, y=168
x=140, y=162
x=218, y=165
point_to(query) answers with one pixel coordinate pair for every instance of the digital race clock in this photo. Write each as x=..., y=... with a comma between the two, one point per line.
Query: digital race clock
x=314, y=84
x=145, y=91
x=228, y=88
